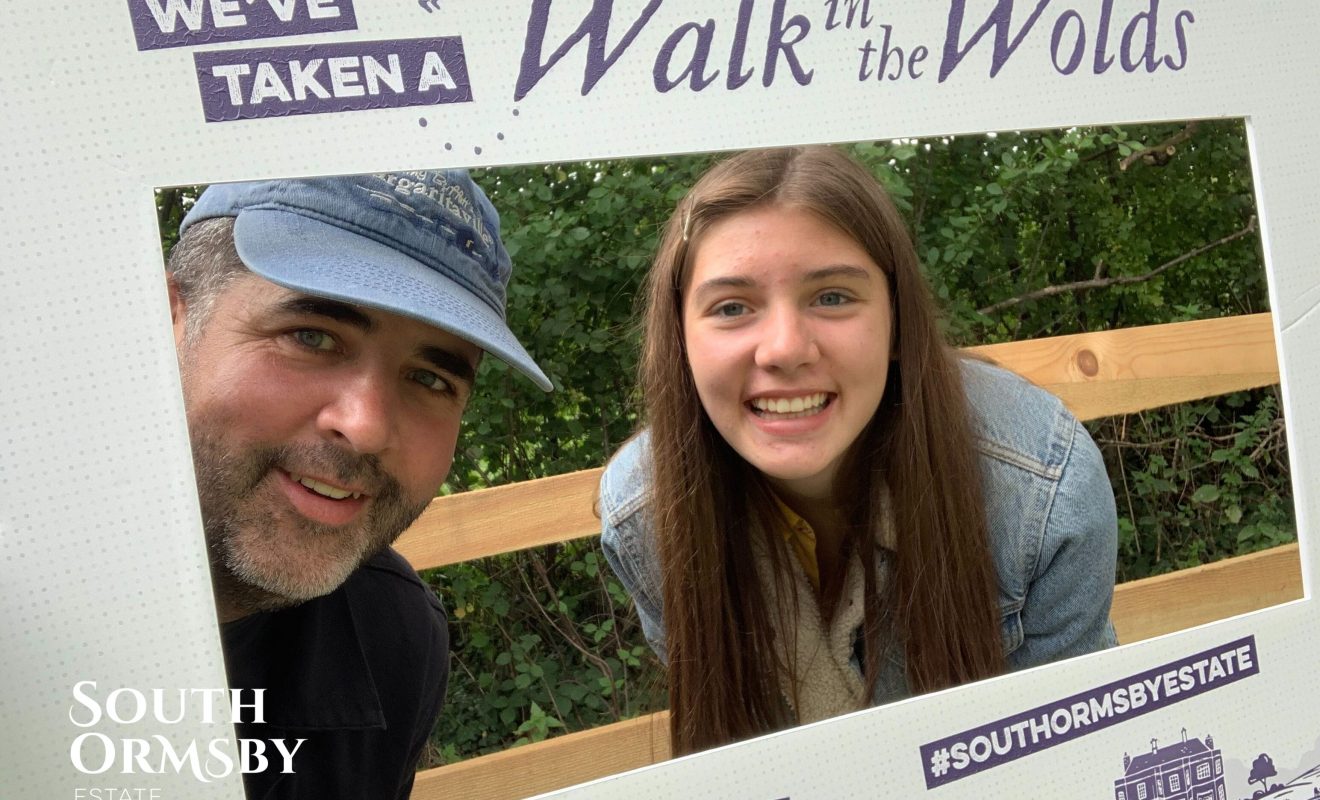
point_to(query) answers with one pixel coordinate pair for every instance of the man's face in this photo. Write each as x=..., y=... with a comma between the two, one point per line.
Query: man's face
x=320, y=430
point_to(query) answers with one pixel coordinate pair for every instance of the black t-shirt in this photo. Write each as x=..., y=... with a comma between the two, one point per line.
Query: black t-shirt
x=359, y=673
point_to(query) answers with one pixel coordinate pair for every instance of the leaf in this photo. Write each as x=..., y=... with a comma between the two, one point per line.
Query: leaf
x=1206, y=494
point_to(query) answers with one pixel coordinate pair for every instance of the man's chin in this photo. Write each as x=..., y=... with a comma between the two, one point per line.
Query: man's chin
x=243, y=588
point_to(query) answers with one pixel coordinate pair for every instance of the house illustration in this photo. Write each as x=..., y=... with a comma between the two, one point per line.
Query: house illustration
x=1188, y=770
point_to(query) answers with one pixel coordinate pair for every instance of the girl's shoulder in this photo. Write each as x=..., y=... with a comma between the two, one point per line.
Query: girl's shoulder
x=1016, y=422
x=624, y=483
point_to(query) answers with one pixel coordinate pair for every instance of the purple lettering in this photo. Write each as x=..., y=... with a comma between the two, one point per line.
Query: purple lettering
x=886, y=51
x=1000, y=19
x=777, y=45
x=736, y=75
x=1079, y=45
x=1181, y=35
x=866, y=50
x=919, y=54
x=595, y=27
x=331, y=77
x=695, y=70
x=1103, y=60
x=864, y=20
x=1129, y=34
x=188, y=23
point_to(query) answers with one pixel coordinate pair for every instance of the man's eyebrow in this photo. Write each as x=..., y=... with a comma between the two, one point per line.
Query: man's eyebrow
x=331, y=309
x=349, y=314
x=450, y=362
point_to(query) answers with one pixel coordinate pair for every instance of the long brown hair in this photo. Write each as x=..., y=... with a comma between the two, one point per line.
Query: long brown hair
x=725, y=669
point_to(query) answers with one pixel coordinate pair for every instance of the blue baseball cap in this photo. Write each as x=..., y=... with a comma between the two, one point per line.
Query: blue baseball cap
x=422, y=244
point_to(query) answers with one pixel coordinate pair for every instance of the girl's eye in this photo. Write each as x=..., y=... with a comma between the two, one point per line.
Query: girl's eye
x=314, y=339
x=832, y=299
x=430, y=380
x=730, y=310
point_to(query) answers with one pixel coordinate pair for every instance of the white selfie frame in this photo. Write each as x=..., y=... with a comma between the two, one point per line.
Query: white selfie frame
x=103, y=573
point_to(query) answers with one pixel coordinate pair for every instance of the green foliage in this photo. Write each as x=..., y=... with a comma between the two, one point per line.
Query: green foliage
x=171, y=206
x=542, y=641
x=1022, y=235
x=1199, y=482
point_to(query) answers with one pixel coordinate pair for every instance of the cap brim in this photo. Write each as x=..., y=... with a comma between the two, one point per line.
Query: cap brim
x=325, y=260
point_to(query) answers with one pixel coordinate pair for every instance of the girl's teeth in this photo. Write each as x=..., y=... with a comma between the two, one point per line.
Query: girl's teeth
x=809, y=404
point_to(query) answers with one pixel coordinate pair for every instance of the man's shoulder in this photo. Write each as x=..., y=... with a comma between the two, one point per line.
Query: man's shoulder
x=386, y=584
x=359, y=674
x=404, y=637
x=388, y=568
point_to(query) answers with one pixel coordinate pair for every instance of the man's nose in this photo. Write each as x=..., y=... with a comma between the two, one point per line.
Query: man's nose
x=787, y=341
x=360, y=413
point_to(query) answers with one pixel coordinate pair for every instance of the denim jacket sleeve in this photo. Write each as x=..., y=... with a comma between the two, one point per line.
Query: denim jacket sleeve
x=1066, y=612
x=627, y=536
x=1052, y=522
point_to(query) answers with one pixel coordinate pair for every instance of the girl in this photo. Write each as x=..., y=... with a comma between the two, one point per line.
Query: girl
x=830, y=508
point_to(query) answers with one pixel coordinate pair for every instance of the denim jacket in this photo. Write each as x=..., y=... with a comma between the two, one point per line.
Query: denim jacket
x=1049, y=505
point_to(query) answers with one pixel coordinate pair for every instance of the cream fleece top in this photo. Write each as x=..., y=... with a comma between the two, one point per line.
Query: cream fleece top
x=820, y=657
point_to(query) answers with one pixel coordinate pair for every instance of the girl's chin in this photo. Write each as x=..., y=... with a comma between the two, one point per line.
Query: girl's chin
x=792, y=478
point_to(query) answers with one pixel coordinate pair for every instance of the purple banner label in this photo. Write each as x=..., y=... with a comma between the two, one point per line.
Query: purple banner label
x=343, y=76
x=180, y=23
x=979, y=749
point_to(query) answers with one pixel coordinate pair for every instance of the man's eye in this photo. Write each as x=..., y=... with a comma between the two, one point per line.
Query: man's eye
x=430, y=380
x=314, y=339
x=730, y=309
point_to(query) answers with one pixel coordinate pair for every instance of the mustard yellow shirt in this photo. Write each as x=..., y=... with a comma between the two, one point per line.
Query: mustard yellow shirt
x=802, y=539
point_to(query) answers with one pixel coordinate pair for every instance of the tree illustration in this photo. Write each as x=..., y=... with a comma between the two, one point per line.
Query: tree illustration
x=1262, y=769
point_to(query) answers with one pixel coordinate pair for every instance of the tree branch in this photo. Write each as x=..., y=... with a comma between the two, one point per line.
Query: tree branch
x=1160, y=154
x=1101, y=283
x=570, y=633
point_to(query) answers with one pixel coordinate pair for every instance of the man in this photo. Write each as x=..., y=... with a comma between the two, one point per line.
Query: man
x=328, y=333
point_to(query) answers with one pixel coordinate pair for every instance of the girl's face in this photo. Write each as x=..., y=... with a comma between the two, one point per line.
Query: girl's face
x=788, y=324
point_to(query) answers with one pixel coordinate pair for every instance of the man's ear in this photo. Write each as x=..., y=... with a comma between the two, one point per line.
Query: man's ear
x=178, y=308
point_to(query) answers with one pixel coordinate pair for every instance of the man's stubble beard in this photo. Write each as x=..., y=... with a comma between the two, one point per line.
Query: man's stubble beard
x=231, y=483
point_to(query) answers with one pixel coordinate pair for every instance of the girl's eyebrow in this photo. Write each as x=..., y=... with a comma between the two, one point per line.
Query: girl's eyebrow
x=838, y=271
x=724, y=282
x=829, y=272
